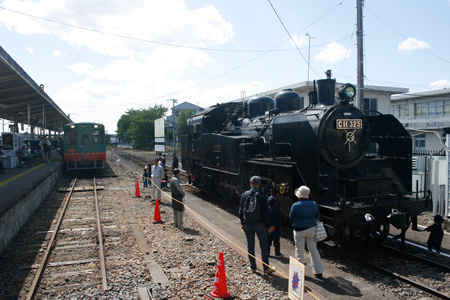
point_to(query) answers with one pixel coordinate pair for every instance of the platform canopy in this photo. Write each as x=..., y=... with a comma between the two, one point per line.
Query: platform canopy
x=24, y=101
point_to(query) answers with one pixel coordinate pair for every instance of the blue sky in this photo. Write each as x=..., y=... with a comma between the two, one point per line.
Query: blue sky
x=97, y=59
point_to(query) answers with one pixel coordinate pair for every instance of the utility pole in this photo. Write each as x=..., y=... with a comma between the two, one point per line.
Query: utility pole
x=360, y=56
x=309, y=54
x=174, y=122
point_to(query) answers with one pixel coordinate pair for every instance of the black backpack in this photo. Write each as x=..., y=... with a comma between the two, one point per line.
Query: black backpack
x=252, y=210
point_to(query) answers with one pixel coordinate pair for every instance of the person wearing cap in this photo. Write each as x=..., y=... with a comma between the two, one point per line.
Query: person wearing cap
x=177, y=200
x=145, y=177
x=436, y=235
x=303, y=215
x=275, y=228
x=157, y=173
x=258, y=223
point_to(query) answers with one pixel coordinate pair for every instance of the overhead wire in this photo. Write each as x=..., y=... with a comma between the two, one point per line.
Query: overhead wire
x=180, y=46
x=157, y=42
x=404, y=36
x=290, y=36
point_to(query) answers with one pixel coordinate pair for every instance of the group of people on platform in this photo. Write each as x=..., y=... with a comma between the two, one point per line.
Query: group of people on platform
x=44, y=150
x=156, y=177
x=261, y=216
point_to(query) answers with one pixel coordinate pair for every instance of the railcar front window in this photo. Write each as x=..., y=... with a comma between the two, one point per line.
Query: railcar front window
x=97, y=137
x=71, y=138
x=84, y=139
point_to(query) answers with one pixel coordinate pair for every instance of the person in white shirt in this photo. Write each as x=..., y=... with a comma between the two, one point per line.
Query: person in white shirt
x=157, y=174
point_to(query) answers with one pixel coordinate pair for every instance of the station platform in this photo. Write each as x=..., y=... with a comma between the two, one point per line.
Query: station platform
x=22, y=190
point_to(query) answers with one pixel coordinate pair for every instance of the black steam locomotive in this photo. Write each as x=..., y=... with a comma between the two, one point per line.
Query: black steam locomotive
x=358, y=167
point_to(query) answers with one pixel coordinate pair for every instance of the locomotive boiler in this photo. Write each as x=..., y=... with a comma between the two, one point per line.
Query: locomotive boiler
x=358, y=167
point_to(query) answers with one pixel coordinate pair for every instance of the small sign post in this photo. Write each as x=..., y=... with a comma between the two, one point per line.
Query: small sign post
x=296, y=279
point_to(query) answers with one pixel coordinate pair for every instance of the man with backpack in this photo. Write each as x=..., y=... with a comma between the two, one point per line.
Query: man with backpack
x=254, y=215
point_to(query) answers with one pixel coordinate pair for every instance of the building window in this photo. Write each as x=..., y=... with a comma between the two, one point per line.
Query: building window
x=400, y=111
x=419, y=141
x=370, y=106
x=436, y=108
x=447, y=107
x=421, y=109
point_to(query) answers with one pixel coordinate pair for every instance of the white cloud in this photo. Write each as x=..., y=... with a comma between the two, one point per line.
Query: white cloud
x=332, y=53
x=440, y=84
x=30, y=50
x=300, y=41
x=412, y=44
x=166, y=21
x=82, y=68
x=58, y=53
x=126, y=72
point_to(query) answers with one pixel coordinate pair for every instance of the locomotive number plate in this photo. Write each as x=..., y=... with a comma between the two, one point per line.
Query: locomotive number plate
x=348, y=124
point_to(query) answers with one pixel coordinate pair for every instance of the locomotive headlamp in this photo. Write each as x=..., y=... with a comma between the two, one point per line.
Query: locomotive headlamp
x=348, y=92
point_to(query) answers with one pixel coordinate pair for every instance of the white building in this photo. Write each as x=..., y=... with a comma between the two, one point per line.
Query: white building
x=376, y=98
x=424, y=115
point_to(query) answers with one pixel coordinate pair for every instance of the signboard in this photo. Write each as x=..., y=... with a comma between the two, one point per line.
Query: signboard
x=159, y=135
x=160, y=148
x=159, y=128
x=296, y=279
x=8, y=141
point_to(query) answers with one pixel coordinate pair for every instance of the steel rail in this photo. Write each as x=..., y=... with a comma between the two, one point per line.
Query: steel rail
x=101, y=252
x=51, y=245
x=404, y=279
x=399, y=252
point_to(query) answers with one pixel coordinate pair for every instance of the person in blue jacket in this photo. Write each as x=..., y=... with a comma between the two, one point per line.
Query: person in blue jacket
x=275, y=228
x=303, y=215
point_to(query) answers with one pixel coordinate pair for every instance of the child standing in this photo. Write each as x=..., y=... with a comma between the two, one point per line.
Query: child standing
x=274, y=229
x=145, y=176
x=436, y=235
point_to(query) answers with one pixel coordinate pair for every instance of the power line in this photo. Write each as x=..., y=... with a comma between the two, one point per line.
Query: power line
x=404, y=36
x=292, y=40
x=148, y=41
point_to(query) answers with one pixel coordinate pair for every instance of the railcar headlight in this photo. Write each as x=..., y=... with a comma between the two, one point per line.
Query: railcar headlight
x=347, y=92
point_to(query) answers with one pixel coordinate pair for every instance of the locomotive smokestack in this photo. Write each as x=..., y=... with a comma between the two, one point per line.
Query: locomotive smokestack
x=326, y=88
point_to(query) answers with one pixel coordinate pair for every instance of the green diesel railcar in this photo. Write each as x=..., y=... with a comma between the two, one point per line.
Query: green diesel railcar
x=84, y=146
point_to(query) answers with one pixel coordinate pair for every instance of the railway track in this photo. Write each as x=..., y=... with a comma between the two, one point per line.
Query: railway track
x=414, y=270
x=74, y=256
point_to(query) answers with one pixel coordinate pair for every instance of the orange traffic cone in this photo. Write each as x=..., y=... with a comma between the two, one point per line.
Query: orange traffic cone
x=220, y=290
x=157, y=215
x=138, y=193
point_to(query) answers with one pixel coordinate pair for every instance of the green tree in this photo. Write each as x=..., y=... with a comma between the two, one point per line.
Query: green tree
x=138, y=126
x=182, y=127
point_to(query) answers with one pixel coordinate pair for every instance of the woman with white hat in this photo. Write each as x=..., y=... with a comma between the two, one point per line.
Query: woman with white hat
x=303, y=215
